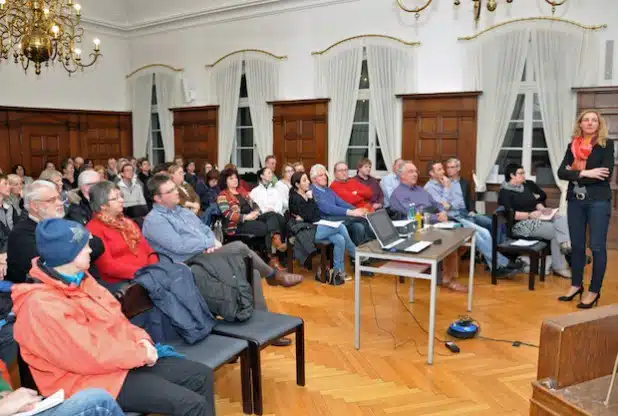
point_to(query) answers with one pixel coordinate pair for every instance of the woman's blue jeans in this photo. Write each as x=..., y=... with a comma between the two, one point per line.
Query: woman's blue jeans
x=340, y=239
x=90, y=402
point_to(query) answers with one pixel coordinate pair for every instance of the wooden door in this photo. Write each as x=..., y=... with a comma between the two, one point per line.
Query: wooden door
x=104, y=136
x=301, y=132
x=196, y=134
x=437, y=127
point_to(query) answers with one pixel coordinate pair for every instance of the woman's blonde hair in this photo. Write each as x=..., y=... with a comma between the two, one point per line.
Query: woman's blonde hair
x=602, y=132
x=285, y=165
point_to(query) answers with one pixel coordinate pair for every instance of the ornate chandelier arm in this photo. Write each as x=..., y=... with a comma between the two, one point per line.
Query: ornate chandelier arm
x=556, y=2
x=413, y=10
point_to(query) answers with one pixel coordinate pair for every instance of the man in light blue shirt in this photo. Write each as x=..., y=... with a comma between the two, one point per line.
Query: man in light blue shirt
x=390, y=182
x=442, y=190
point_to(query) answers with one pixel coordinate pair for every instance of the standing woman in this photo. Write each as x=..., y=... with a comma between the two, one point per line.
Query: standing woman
x=587, y=165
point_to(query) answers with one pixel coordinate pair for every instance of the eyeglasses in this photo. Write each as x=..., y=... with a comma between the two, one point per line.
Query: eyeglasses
x=289, y=171
x=521, y=172
x=116, y=198
x=172, y=190
x=52, y=199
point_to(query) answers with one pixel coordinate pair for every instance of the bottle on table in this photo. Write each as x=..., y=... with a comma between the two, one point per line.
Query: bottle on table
x=412, y=217
x=419, y=218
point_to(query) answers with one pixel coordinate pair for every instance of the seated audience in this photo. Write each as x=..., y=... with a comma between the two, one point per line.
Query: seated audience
x=79, y=209
x=8, y=220
x=207, y=168
x=49, y=165
x=131, y=188
x=179, y=161
x=112, y=169
x=100, y=169
x=298, y=167
x=56, y=177
x=526, y=198
x=241, y=182
x=350, y=190
x=334, y=208
x=284, y=184
x=408, y=192
x=446, y=194
x=85, y=341
x=390, y=182
x=267, y=198
x=461, y=187
x=88, y=165
x=303, y=208
x=16, y=197
x=143, y=173
x=208, y=190
x=189, y=199
x=78, y=164
x=20, y=170
x=68, y=175
x=363, y=176
x=242, y=215
x=190, y=175
x=179, y=234
x=270, y=162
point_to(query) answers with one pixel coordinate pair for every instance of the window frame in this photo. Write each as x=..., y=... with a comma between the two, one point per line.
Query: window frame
x=243, y=102
x=154, y=110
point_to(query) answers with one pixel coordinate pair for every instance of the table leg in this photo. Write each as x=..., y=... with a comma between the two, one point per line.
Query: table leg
x=411, y=295
x=471, y=275
x=357, y=301
x=436, y=273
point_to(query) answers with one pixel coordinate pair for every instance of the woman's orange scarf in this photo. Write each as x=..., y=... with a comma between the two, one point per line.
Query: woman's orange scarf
x=129, y=230
x=581, y=152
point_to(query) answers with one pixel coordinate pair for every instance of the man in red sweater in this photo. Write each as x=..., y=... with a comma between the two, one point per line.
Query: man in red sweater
x=351, y=190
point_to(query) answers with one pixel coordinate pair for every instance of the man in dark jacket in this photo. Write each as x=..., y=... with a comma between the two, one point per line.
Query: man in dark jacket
x=80, y=210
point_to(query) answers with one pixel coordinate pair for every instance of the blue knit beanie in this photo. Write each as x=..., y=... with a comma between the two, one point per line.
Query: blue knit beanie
x=60, y=241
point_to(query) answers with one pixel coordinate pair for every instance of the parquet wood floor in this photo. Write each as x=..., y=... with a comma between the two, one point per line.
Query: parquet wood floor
x=388, y=376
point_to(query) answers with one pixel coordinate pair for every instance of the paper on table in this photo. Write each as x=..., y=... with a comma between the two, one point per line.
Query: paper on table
x=523, y=243
x=401, y=223
x=549, y=216
x=45, y=404
x=418, y=247
x=445, y=225
x=326, y=223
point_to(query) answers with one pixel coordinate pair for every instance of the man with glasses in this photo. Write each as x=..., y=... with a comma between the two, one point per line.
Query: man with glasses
x=80, y=210
x=352, y=191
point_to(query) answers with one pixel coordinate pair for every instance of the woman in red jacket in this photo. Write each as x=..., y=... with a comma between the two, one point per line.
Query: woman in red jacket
x=126, y=249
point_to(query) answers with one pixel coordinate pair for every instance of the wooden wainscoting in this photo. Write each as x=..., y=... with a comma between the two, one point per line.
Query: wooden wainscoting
x=196, y=132
x=438, y=127
x=32, y=136
x=301, y=131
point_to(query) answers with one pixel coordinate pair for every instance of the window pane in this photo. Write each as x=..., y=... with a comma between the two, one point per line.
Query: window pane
x=380, y=164
x=158, y=157
x=514, y=136
x=541, y=167
x=536, y=109
x=244, y=137
x=244, y=117
x=360, y=135
x=364, y=78
x=523, y=75
x=518, y=111
x=244, y=158
x=355, y=155
x=362, y=111
x=538, y=135
x=154, y=121
x=508, y=156
x=243, y=87
x=153, y=99
x=157, y=140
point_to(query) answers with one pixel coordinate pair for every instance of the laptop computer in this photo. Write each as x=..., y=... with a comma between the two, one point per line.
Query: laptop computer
x=388, y=236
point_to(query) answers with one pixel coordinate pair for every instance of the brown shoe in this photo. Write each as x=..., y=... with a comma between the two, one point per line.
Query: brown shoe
x=278, y=244
x=274, y=263
x=282, y=342
x=284, y=279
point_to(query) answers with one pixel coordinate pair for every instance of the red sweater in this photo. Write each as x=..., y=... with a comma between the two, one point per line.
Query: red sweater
x=354, y=192
x=118, y=263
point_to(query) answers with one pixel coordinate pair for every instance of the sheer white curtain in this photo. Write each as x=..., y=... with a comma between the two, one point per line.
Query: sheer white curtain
x=225, y=78
x=338, y=77
x=390, y=68
x=140, y=88
x=168, y=88
x=497, y=63
x=564, y=57
x=262, y=74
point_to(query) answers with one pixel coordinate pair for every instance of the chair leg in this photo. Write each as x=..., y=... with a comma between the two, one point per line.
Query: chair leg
x=256, y=378
x=290, y=257
x=494, y=266
x=331, y=256
x=324, y=263
x=245, y=382
x=300, y=354
x=543, y=265
x=534, y=267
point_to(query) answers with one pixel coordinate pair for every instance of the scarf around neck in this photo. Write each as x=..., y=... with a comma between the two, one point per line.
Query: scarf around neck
x=127, y=228
x=510, y=187
x=581, y=152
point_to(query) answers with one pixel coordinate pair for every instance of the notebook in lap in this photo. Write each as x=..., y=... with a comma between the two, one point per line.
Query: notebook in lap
x=389, y=238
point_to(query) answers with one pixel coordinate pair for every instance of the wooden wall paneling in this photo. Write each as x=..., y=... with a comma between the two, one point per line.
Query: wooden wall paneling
x=103, y=136
x=196, y=134
x=438, y=127
x=300, y=131
x=5, y=143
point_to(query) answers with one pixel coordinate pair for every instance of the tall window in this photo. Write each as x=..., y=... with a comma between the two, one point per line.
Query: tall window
x=245, y=155
x=524, y=141
x=364, y=141
x=156, y=152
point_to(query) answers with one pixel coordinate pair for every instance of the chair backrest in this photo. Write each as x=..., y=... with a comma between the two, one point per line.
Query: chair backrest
x=134, y=300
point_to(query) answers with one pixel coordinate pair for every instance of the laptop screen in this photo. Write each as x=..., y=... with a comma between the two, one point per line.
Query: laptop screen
x=383, y=227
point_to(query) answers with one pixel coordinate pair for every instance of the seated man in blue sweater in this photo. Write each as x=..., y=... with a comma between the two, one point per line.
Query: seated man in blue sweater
x=334, y=208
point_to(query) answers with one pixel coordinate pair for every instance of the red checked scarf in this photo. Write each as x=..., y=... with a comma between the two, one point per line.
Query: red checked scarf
x=581, y=151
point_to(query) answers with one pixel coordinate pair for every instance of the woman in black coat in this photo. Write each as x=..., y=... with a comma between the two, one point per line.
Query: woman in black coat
x=587, y=165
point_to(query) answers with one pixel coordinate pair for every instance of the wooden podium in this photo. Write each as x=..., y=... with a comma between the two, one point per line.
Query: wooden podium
x=576, y=356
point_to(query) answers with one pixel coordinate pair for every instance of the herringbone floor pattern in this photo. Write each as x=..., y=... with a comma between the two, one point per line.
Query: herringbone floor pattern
x=389, y=375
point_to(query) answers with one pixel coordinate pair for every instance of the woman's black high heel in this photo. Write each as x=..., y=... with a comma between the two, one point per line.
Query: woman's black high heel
x=579, y=292
x=582, y=305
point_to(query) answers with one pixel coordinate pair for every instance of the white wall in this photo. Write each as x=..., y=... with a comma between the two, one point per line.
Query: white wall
x=298, y=33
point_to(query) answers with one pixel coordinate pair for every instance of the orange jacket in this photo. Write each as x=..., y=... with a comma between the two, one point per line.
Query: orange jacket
x=74, y=338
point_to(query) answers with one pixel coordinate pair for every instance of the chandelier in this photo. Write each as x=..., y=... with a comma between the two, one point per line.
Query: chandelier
x=43, y=31
x=491, y=6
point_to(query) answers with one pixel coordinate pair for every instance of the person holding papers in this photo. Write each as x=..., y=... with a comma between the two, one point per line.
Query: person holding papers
x=526, y=199
x=444, y=192
x=303, y=208
x=408, y=193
